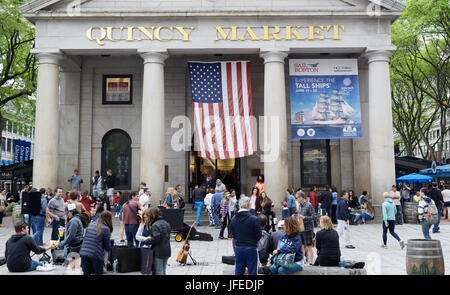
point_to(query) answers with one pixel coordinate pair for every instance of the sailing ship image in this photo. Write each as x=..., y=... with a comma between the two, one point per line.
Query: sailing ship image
x=331, y=110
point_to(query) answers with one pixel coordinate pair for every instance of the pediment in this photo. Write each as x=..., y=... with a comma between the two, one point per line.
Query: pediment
x=80, y=7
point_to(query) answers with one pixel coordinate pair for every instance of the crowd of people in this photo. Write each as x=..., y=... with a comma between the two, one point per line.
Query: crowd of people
x=81, y=222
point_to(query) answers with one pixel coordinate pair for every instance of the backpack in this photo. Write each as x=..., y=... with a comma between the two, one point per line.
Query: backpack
x=431, y=216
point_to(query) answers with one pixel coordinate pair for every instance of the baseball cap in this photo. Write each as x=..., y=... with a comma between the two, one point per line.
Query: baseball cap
x=280, y=224
x=75, y=170
x=71, y=207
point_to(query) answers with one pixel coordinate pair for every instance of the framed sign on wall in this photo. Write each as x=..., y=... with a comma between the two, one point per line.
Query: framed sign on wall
x=117, y=89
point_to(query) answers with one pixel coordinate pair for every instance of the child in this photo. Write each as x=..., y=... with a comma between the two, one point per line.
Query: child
x=285, y=212
x=116, y=203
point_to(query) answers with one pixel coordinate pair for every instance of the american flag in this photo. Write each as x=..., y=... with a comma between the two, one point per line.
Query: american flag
x=222, y=105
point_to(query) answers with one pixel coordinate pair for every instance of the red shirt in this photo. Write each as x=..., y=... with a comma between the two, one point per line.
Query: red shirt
x=87, y=203
x=128, y=215
x=313, y=199
x=116, y=200
x=66, y=199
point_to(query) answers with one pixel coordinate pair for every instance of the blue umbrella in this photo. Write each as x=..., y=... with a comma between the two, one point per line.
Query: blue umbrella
x=415, y=178
x=440, y=171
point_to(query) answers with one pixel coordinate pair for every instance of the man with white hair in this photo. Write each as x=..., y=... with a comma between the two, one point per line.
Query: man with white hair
x=246, y=232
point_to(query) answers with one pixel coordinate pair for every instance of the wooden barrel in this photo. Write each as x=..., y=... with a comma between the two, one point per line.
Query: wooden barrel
x=424, y=257
x=410, y=214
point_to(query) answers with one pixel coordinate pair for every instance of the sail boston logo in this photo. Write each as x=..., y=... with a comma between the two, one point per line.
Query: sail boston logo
x=306, y=68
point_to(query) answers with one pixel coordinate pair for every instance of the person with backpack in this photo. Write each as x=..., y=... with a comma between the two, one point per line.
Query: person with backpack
x=73, y=236
x=131, y=219
x=389, y=218
x=428, y=212
x=98, y=184
x=325, y=199
x=436, y=195
x=264, y=243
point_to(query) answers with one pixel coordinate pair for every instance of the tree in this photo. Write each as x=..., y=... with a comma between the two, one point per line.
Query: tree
x=420, y=74
x=18, y=67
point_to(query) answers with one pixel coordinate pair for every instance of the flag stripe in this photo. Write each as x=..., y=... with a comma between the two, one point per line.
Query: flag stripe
x=236, y=109
x=250, y=109
x=198, y=122
x=229, y=89
x=241, y=107
x=226, y=111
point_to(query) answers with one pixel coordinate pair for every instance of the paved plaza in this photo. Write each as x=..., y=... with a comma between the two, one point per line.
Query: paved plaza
x=366, y=238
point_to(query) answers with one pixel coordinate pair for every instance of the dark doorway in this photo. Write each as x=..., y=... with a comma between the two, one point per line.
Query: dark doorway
x=116, y=155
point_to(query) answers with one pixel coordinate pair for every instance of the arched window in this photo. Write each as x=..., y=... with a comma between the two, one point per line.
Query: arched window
x=116, y=155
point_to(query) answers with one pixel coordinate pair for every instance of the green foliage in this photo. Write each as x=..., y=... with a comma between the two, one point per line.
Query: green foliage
x=420, y=73
x=17, y=65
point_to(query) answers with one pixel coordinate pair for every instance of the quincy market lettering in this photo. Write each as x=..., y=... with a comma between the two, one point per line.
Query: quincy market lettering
x=100, y=35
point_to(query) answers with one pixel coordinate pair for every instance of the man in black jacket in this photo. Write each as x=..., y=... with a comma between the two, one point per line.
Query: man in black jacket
x=343, y=216
x=325, y=200
x=436, y=195
x=246, y=231
x=18, y=249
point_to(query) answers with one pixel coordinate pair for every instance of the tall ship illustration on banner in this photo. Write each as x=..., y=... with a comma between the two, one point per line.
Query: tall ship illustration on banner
x=331, y=110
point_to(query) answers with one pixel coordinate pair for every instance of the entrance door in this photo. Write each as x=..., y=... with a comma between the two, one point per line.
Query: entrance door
x=227, y=170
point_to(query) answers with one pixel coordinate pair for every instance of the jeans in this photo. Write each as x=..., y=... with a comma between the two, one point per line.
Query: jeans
x=199, y=211
x=436, y=225
x=38, y=225
x=364, y=216
x=34, y=265
x=398, y=215
x=391, y=228
x=55, y=228
x=333, y=214
x=216, y=216
x=327, y=212
x=160, y=266
x=246, y=257
x=280, y=270
x=426, y=229
x=91, y=266
x=130, y=232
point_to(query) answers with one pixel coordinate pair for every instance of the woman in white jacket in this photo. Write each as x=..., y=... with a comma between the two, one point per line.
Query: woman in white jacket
x=207, y=203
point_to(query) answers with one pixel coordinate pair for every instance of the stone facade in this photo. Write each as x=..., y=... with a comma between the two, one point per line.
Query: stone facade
x=102, y=37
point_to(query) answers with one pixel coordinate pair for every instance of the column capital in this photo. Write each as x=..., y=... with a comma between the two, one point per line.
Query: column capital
x=274, y=54
x=153, y=56
x=379, y=54
x=48, y=56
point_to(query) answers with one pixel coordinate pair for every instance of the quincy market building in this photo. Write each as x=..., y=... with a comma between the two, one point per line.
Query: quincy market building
x=113, y=80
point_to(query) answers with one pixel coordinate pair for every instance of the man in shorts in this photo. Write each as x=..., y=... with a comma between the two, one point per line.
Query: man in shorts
x=306, y=213
x=110, y=184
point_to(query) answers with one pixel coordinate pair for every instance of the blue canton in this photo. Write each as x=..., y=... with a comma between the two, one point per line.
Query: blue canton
x=206, y=82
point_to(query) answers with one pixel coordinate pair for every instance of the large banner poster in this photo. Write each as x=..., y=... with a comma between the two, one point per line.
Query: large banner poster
x=324, y=99
x=22, y=150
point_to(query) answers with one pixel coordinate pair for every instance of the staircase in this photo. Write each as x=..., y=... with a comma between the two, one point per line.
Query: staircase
x=190, y=217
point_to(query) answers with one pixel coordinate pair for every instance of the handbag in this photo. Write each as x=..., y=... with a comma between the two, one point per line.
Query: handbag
x=146, y=260
x=58, y=256
x=284, y=260
x=2, y=209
